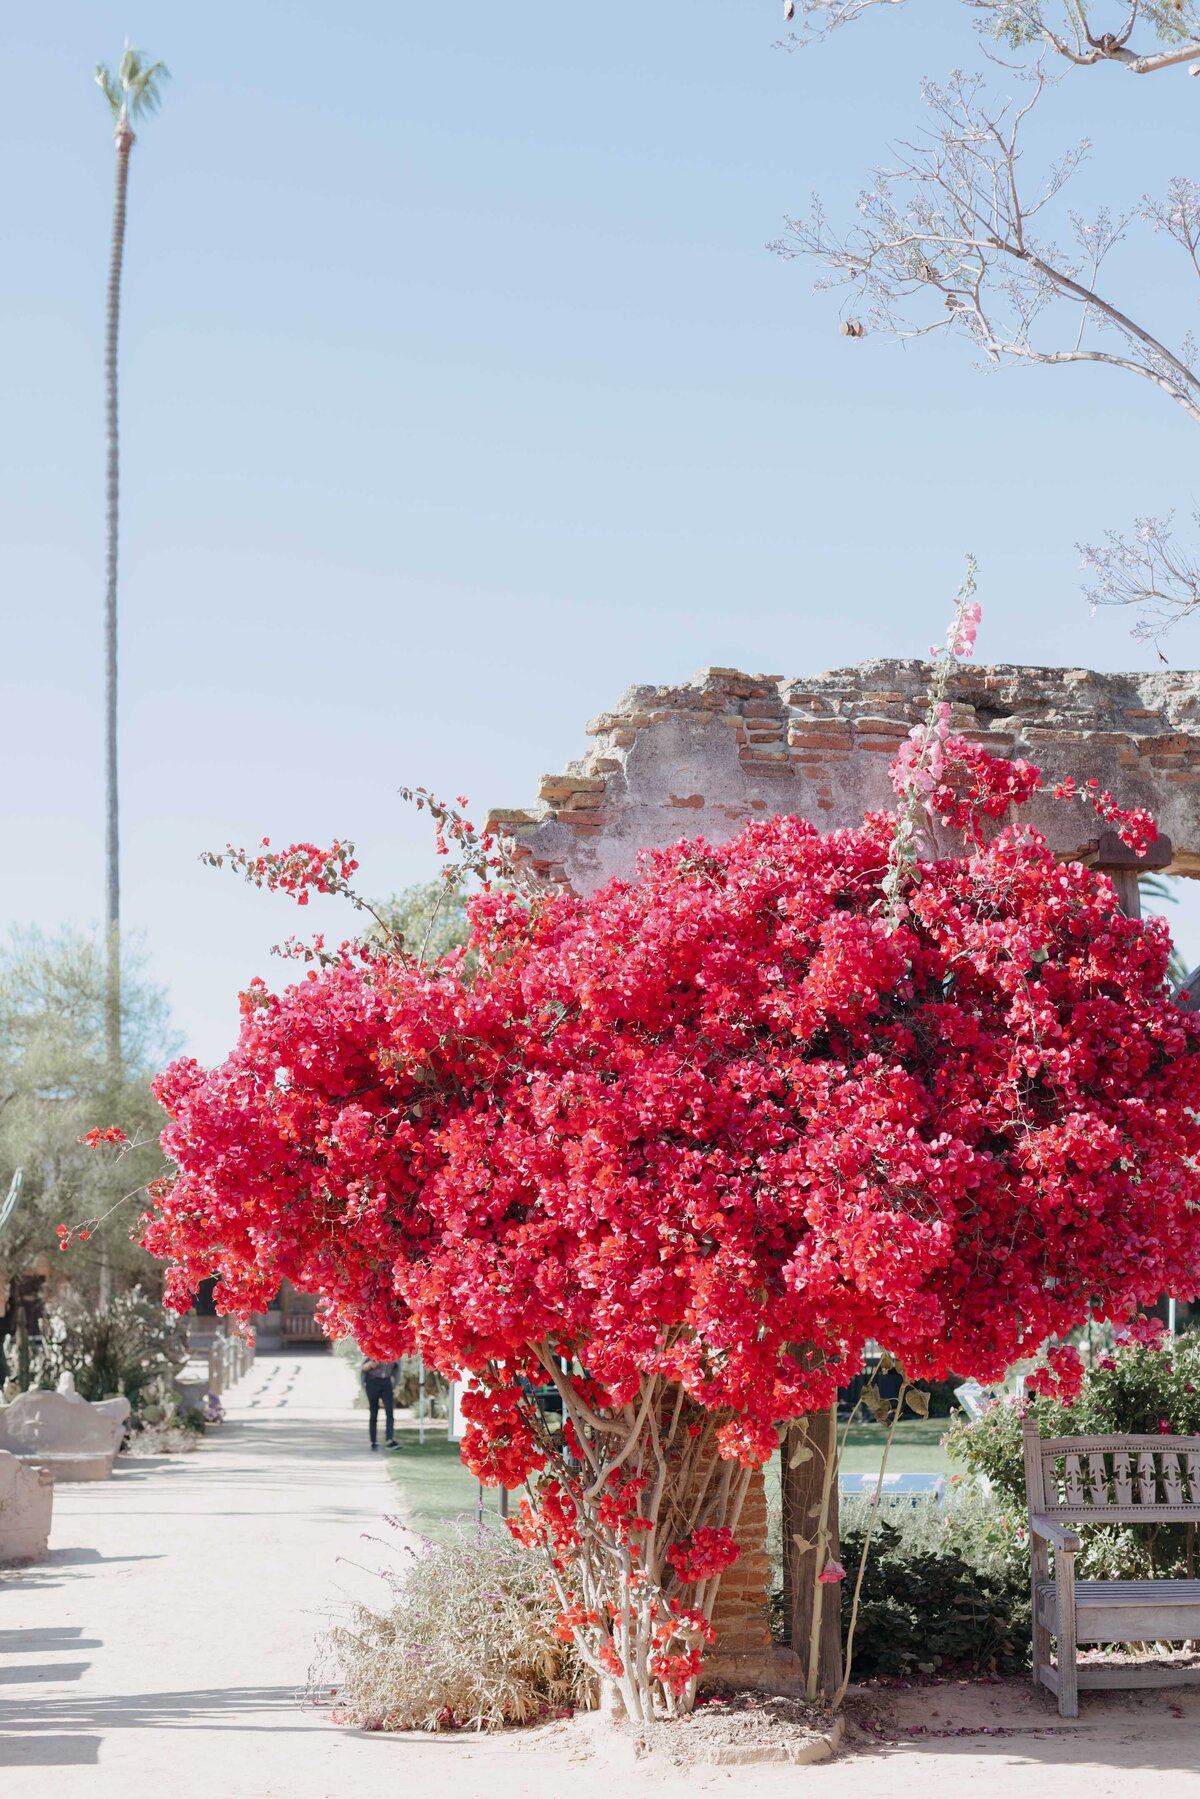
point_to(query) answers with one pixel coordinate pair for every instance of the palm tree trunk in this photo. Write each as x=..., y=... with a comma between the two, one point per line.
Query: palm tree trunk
x=112, y=910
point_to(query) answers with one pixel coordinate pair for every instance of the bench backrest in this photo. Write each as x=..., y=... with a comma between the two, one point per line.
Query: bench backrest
x=1113, y=1480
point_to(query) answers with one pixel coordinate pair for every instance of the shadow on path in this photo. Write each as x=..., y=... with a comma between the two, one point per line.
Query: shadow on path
x=49, y=1752
x=204, y=1708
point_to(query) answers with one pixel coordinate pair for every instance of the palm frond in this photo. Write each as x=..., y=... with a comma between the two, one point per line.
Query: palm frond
x=109, y=89
x=1160, y=890
x=136, y=89
x=145, y=91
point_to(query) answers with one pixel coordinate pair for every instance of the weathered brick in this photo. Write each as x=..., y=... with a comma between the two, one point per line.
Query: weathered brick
x=809, y=740
x=554, y=787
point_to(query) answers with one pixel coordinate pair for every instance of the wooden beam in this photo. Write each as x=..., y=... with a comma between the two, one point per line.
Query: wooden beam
x=1123, y=867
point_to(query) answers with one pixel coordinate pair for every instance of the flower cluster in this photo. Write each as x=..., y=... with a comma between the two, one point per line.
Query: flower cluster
x=1060, y=1376
x=1134, y=825
x=706, y=1552
x=299, y=870
x=689, y=1121
x=1147, y=1333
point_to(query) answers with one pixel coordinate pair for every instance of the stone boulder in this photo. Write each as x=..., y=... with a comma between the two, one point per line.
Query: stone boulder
x=26, y=1502
x=64, y=1433
x=118, y=1409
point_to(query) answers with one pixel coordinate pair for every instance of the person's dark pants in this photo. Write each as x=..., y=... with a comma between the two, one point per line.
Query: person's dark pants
x=378, y=1390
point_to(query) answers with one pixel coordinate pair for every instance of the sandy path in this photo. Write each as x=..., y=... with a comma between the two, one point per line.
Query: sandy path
x=160, y=1649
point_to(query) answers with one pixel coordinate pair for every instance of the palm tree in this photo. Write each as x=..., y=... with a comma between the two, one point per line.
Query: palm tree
x=136, y=89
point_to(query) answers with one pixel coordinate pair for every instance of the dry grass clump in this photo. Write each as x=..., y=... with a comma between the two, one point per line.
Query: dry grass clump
x=465, y=1642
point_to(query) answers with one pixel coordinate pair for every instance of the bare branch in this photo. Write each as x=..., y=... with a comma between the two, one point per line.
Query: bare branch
x=1146, y=571
x=947, y=243
x=1178, y=215
x=1062, y=27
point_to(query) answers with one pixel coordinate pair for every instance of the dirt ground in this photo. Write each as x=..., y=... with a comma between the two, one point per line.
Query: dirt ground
x=997, y=1739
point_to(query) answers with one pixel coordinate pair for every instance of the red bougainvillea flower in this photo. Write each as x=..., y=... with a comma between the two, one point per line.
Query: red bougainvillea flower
x=1061, y=1377
x=706, y=1552
x=692, y=1120
x=1148, y=1332
x=112, y=1134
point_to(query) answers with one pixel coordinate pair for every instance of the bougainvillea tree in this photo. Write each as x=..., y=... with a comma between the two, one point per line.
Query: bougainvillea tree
x=682, y=1147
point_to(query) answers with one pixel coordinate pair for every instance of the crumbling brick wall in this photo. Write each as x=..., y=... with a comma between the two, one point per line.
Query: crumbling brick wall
x=700, y=759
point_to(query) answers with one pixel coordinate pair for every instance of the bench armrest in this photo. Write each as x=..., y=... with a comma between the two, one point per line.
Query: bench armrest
x=1069, y=1541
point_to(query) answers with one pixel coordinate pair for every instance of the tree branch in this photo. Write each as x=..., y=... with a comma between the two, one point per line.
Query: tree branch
x=952, y=222
x=1022, y=24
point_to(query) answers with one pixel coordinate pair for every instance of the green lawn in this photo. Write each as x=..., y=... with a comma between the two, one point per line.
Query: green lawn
x=916, y=1448
x=436, y=1489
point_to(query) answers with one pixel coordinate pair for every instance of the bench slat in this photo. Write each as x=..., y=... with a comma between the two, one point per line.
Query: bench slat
x=1133, y=1592
x=1128, y=1611
x=1123, y=1514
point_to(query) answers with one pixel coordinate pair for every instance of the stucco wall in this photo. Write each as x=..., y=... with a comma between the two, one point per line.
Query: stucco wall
x=700, y=759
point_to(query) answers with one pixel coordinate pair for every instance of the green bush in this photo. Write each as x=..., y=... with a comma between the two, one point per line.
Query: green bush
x=1136, y=1390
x=927, y=1609
x=944, y=1588
x=130, y=1346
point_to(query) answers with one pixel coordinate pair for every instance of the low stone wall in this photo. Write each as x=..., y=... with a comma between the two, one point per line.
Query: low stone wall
x=26, y=1508
x=701, y=759
x=63, y=1433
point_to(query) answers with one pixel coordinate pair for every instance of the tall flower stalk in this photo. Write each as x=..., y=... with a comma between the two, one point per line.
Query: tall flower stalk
x=921, y=763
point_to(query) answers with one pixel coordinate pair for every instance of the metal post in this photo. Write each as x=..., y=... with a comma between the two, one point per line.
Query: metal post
x=1171, y=1317
x=420, y=1399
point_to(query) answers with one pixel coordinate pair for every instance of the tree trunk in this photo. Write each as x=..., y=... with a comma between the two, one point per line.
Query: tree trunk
x=112, y=909
x=803, y=1487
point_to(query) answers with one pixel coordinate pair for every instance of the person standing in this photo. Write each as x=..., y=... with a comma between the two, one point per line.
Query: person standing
x=377, y=1378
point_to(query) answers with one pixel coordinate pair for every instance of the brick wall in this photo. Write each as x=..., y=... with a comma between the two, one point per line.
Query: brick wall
x=702, y=758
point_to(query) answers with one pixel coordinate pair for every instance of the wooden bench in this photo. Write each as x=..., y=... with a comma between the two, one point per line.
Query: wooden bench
x=1106, y=1480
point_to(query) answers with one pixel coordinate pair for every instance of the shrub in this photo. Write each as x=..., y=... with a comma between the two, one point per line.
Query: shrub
x=1140, y=1388
x=788, y=1090
x=943, y=1589
x=928, y=1608
x=127, y=1347
x=466, y=1640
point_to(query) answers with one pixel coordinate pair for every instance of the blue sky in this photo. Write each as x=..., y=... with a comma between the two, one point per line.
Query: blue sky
x=460, y=390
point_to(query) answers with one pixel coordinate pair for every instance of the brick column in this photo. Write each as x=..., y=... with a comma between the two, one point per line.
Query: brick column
x=744, y=1654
